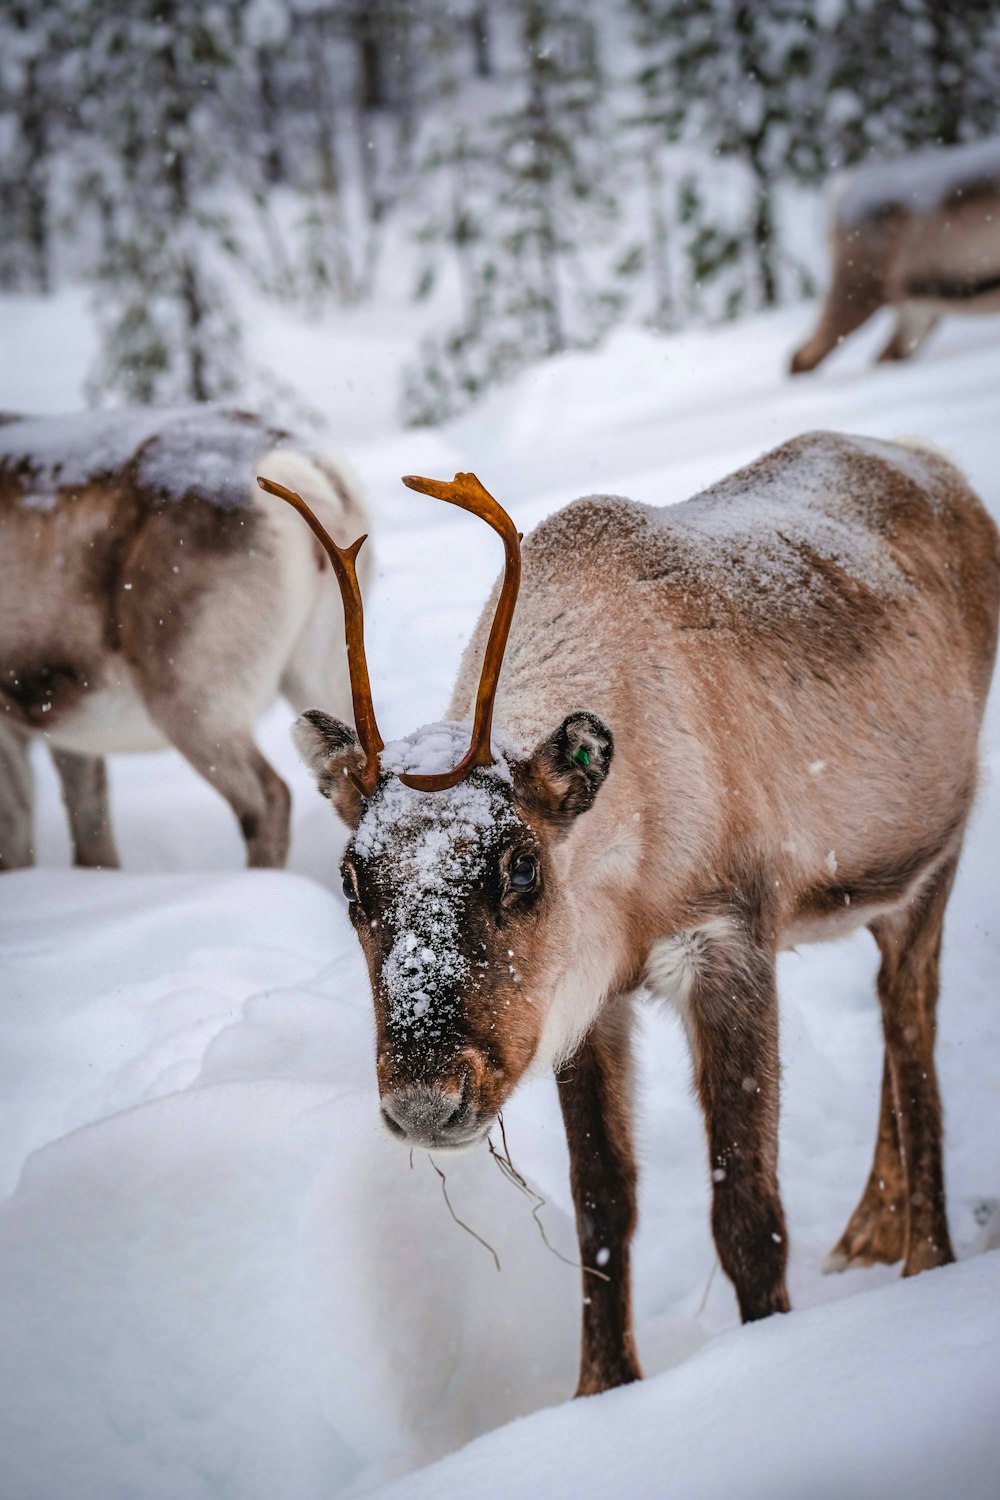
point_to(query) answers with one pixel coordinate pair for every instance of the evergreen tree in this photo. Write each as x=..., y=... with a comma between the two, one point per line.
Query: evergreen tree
x=913, y=73
x=161, y=166
x=28, y=120
x=528, y=197
x=746, y=82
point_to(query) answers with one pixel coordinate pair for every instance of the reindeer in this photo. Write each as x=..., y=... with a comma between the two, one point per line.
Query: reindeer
x=724, y=727
x=921, y=235
x=140, y=610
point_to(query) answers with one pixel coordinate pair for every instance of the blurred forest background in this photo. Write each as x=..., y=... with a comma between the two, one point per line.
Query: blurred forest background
x=533, y=171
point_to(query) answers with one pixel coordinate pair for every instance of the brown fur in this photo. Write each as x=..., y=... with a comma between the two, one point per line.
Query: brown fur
x=133, y=617
x=791, y=671
x=923, y=263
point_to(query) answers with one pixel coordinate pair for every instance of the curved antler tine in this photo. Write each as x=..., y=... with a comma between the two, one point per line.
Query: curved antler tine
x=466, y=491
x=343, y=560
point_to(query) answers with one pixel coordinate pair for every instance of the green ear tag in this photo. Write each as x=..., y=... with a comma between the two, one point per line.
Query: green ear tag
x=582, y=756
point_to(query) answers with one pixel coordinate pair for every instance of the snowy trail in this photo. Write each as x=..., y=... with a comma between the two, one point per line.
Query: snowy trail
x=222, y=1279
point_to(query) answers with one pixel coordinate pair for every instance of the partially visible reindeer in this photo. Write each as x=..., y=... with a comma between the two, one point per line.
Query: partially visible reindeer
x=150, y=596
x=725, y=727
x=922, y=235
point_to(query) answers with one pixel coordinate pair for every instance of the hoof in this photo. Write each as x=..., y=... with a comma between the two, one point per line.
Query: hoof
x=834, y=1262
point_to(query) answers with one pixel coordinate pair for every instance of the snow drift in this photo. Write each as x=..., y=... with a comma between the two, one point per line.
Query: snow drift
x=221, y=1278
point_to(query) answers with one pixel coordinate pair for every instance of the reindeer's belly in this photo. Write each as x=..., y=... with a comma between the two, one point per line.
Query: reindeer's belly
x=951, y=262
x=108, y=719
x=828, y=926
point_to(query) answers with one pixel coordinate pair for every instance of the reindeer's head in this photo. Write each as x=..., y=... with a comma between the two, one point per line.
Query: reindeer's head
x=452, y=870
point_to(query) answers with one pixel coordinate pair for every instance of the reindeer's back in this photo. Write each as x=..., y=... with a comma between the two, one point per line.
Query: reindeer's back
x=814, y=635
x=818, y=545
x=105, y=519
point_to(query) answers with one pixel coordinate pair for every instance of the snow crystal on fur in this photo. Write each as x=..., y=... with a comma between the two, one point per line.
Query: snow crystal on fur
x=434, y=847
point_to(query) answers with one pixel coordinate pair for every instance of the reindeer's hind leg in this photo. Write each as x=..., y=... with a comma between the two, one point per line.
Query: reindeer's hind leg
x=914, y=322
x=84, y=781
x=229, y=760
x=205, y=647
x=16, y=848
x=731, y=1017
x=876, y=1230
x=907, y=1219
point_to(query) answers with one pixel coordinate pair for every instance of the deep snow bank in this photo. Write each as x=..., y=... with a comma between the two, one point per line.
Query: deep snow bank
x=218, y=1278
x=222, y=1276
x=892, y=1393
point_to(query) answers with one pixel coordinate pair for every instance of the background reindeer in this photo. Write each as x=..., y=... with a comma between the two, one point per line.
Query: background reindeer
x=729, y=726
x=920, y=234
x=148, y=597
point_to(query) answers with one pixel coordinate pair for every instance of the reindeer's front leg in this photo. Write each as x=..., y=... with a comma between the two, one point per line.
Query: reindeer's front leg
x=595, y=1093
x=732, y=1021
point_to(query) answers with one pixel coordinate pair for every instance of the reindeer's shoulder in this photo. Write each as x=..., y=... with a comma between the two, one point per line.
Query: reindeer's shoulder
x=779, y=529
x=824, y=516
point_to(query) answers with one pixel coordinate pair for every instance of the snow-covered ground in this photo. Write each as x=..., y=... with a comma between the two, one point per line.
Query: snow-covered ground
x=218, y=1277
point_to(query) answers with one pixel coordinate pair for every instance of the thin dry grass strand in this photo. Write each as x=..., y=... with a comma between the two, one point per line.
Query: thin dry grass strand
x=513, y=1176
x=461, y=1222
x=708, y=1287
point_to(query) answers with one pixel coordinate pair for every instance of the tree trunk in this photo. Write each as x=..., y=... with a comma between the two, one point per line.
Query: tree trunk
x=367, y=24
x=482, y=41
x=273, y=163
x=194, y=316
x=764, y=236
x=947, y=77
x=546, y=237
x=659, y=241
x=35, y=187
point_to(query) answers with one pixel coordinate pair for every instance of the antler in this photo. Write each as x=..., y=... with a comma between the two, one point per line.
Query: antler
x=343, y=560
x=466, y=491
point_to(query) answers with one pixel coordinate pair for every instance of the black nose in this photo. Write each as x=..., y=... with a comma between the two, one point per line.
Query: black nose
x=424, y=1114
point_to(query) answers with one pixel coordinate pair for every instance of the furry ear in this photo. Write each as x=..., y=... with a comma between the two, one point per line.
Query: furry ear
x=567, y=769
x=331, y=750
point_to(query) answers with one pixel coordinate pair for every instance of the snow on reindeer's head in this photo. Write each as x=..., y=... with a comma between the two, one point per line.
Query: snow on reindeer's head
x=449, y=875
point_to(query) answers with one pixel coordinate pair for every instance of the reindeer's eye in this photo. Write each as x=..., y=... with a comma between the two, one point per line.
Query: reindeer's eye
x=350, y=886
x=523, y=873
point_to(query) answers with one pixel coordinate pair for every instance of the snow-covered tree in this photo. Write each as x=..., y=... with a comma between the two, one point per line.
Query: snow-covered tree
x=528, y=202
x=155, y=83
x=29, y=117
x=745, y=82
x=913, y=73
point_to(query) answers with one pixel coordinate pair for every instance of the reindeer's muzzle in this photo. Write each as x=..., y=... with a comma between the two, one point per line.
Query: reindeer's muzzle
x=439, y=1114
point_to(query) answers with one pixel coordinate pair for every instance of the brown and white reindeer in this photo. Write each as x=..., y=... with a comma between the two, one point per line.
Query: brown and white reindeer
x=723, y=727
x=151, y=596
x=920, y=234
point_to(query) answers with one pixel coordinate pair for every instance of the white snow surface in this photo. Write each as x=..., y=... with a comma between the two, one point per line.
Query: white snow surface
x=221, y=1278
x=922, y=181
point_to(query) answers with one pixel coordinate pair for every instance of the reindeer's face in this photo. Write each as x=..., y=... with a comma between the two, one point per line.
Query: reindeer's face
x=455, y=899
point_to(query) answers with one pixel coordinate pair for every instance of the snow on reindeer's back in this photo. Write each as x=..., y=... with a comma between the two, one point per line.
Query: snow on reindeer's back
x=921, y=182
x=198, y=450
x=773, y=541
x=428, y=851
x=788, y=525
